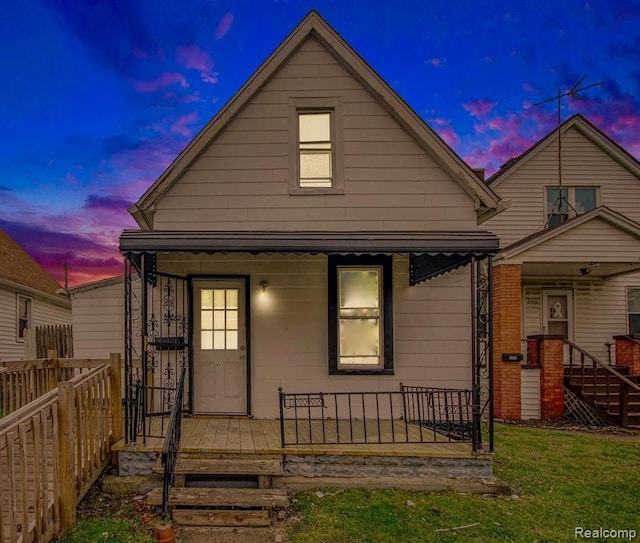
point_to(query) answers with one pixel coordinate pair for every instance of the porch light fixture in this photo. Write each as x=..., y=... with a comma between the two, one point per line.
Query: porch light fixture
x=263, y=287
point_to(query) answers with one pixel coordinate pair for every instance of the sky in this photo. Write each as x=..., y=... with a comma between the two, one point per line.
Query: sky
x=97, y=97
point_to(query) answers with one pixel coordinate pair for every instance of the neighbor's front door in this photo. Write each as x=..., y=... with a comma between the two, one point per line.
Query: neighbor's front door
x=557, y=313
x=220, y=354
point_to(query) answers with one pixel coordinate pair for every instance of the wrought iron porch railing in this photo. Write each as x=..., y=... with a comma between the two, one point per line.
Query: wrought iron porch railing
x=611, y=389
x=172, y=443
x=410, y=415
x=447, y=411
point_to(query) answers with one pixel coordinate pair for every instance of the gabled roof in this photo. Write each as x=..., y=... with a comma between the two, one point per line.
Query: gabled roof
x=587, y=129
x=614, y=218
x=314, y=25
x=17, y=268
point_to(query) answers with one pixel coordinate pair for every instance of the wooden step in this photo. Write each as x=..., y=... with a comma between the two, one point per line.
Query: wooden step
x=221, y=518
x=221, y=497
x=225, y=466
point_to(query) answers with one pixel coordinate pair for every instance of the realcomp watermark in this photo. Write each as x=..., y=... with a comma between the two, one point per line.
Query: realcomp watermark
x=604, y=533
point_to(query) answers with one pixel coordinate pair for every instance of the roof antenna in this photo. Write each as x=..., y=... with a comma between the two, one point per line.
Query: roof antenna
x=66, y=277
x=559, y=212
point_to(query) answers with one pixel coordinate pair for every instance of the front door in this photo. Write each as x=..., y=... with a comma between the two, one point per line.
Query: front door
x=557, y=313
x=220, y=354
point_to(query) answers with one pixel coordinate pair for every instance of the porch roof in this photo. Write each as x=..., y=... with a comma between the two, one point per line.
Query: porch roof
x=431, y=253
x=478, y=243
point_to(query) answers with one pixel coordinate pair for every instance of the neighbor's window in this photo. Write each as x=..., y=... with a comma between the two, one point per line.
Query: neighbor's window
x=360, y=314
x=219, y=319
x=572, y=201
x=633, y=310
x=24, y=316
x=314, y=149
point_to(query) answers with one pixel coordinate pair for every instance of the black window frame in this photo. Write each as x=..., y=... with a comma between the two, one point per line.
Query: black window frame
x=358, y=261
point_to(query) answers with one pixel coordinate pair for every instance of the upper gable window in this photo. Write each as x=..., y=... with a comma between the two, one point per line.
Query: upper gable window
x=315, y=150
x=572, y=201
x=315, y=146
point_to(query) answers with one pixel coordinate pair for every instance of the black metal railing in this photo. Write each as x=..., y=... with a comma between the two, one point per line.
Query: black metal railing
x=447, y=411
x=172, y=443
x=410, y=415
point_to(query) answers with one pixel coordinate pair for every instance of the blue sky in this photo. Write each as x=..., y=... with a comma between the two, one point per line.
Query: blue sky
x=98, y=96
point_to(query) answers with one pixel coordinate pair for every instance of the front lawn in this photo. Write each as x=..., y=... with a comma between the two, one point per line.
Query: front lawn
x=561, y=481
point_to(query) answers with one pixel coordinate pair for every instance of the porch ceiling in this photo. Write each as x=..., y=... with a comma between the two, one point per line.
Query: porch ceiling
x=479, y=243
x=579, y=270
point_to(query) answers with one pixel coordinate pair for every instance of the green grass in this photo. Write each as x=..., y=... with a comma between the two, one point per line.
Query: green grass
x=109, y=530
x=560, y=480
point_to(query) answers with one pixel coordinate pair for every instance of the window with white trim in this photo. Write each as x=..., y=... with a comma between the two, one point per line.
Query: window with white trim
x=23, y=319
x=633, y=310
x=572, y=201
x=315, y=160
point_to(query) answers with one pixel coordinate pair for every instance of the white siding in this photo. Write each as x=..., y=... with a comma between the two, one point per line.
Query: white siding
x=241, y=181
x=98, y=321
x=289, y=339
x=42, y=312
x=583, y=164
x=594, y=241
x=600, y=311
x=530, y=407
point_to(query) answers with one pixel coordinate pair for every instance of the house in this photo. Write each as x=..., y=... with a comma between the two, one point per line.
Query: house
x=569, y=262
x=97, y=332
x=29, y=297
x=315, y=261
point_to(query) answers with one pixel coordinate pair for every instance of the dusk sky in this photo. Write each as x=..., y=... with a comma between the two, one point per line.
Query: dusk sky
x=99, y=96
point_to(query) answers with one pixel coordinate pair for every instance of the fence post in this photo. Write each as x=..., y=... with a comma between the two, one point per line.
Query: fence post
x=116, y=395
x=66, y=456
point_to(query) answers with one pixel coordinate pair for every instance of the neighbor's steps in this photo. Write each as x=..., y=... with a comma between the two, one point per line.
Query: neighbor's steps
x=221, y=497
x=188, y=465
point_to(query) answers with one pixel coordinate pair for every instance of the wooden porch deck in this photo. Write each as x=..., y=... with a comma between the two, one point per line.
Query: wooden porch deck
x=242, y=435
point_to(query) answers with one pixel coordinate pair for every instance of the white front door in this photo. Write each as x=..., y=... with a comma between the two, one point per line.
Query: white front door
x=557, y=313
x=219, y=344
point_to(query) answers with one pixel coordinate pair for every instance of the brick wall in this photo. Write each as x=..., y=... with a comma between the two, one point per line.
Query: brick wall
x=628, y=354
x=507, y=310
x=551, y=378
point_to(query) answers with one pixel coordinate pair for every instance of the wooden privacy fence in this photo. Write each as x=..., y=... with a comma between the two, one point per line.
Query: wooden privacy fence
x=56, y=337
x=53, y=449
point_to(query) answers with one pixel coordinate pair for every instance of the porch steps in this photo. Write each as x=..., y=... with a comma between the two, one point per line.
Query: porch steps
x=593, y=389
x=211, y=490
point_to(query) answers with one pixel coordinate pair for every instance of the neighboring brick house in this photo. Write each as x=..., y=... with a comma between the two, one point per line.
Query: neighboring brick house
x=29, y=297
x=569, y=264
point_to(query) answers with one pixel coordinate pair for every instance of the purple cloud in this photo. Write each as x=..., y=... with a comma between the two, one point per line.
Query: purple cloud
x=444, y=129
x=106, y=203
x=193, y=57
x=479, y=108
x=87, y=259
x=180, y=125
x=224, y=26
x=166, y=79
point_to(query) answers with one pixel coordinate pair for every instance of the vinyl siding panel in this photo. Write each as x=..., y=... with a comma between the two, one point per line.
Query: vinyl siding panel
x=530, y=389
x=599, y=311
x=98, y=321
x=596, y=241
x=43, y=312
x=289, y=336
x=241, y=181
x=583, y=164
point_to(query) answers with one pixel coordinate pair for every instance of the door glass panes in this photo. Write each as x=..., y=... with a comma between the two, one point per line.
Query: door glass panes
x=557, y=318
x=314, y=132
x=359, y=293
x=585, y=199
x=219, y=319
x=633, y=310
